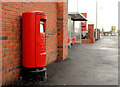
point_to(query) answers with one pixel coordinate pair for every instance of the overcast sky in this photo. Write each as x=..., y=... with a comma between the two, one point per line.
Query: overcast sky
x=107, y=11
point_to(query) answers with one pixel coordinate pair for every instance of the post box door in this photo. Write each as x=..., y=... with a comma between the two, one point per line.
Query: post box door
x=40, y=42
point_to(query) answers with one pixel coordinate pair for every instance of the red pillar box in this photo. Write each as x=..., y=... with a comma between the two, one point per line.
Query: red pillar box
x=34, y=41
x=68, y=41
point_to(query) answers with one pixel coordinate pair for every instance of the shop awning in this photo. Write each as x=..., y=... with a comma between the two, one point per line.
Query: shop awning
x=75, y=16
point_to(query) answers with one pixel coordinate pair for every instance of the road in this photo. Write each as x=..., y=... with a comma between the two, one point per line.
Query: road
x=88, y=64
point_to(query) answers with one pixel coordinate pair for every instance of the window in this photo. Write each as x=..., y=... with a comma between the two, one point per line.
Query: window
x=42, y=28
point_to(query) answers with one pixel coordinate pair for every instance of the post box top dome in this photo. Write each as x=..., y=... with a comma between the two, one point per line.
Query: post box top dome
x=35, y=12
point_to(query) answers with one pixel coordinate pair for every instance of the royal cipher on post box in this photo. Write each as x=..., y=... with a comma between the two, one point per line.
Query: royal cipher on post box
x=34, y=39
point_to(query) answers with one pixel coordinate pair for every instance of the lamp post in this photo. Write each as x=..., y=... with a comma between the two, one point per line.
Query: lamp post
x=77, y=5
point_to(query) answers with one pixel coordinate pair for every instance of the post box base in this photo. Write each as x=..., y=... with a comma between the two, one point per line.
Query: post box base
x=37, y=74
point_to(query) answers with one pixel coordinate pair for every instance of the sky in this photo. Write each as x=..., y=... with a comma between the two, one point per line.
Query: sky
x=107, y=11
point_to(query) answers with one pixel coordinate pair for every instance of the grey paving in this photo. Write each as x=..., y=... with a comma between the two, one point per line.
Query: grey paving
x=88, y=64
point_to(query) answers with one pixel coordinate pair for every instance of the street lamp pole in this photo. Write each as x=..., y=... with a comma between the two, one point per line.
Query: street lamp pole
x=77, y=5
x=96, y=17
x=80, y=23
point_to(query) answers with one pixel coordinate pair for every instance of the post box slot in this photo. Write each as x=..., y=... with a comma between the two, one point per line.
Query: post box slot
x=42, y=28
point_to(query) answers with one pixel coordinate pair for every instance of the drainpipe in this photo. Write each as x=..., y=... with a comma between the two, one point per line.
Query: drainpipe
x=96, y=17
x=80, y=32
x=69, y=26
x=74, y=29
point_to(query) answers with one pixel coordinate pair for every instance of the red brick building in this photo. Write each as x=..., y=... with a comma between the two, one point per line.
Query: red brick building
x=56, y=34
x=90, y=35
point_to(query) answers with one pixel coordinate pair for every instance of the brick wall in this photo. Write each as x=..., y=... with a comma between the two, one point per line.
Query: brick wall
x=98, y=32
x=91, y=33
x=56, y=34
x=91, y=38
x=85, y=40
x=65, y=32
x=62, y=29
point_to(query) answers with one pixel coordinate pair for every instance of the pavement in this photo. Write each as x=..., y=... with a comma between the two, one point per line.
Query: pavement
x=87, y=64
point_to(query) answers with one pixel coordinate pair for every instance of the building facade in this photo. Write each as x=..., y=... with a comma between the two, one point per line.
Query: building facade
x=11, y=34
